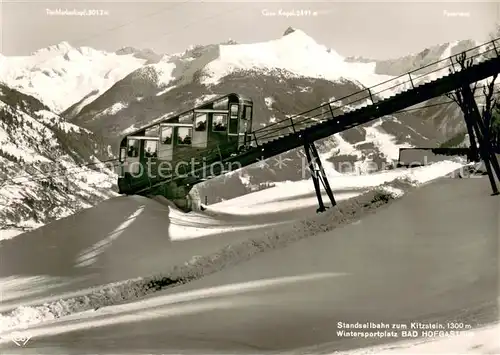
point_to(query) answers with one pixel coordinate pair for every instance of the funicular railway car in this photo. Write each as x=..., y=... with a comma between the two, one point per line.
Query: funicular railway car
x=205, y=134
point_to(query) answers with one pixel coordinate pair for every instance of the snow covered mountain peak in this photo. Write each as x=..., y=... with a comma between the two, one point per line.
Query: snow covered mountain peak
x=50, y=56
x=295, y=53
x=61, y=75
x=289, y=30
x=296, y=38
x=56, y=49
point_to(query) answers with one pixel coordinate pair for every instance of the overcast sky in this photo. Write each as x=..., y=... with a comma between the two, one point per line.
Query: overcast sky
x=371, y=29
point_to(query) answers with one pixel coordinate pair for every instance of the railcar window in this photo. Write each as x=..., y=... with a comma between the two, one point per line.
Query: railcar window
x=219, y=123
x=152, y=132
x=234, y=111
x=133, y=148
x=248, y=112
x=166, y=135
x=123, y=153
x=243, y=126
x=186, y=118
x=184, y=135
x=221, y=104
x=201, y=123
x=151, y=149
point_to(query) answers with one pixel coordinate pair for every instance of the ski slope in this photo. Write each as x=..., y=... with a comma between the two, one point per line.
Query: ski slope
x=93, y=249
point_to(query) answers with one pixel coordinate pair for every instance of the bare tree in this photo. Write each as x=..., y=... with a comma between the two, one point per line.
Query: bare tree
x=478, y=122
x=494, y=124
x=490, y=105
x=495, y=128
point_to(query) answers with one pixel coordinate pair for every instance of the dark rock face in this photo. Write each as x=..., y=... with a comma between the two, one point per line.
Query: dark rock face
x=147, y=54
x=48, y=164
x=288, y=31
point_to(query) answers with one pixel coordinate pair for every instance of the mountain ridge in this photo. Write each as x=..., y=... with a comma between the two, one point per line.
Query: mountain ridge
x=30, y=74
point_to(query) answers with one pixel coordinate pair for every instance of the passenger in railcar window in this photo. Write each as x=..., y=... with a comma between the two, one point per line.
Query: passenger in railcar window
x=201, y=123
x=151, y=149
x=166, y=135
x=184, y=136
x=219, y=123
x=133, y=148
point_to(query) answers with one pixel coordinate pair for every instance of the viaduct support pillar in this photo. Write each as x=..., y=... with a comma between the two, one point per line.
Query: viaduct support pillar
x=488, y=156
x=318, y=175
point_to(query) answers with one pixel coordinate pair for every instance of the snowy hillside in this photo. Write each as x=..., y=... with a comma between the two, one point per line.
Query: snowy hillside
x=40, y=157
x=62, y=75
x=232, y=222
x=230, y=273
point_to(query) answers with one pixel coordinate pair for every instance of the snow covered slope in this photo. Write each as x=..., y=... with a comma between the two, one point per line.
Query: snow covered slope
x=40, y=155
x=243, y=281
x=106, y=238
x=61, y=75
